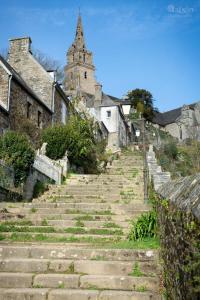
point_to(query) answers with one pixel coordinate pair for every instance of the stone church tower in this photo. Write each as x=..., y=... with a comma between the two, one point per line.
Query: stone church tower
x=79, y=71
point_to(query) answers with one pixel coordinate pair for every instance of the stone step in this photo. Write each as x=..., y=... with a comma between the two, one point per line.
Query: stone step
x=82, y=216
x=16, y=280
x=74, y=294
x=88, y=209
x=61, y=236
x=57, y=229
x=68, y=252
x=88, y=224
x=97, y=266
x=134, y=204
x=95, y=282
x=127, y=283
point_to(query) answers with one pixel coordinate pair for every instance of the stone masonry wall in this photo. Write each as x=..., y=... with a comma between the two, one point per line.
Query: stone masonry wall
x=18, y=108
x=21, y=59
x=178, y=208
x=4, y=120
x=57, y=108
x=4, y=87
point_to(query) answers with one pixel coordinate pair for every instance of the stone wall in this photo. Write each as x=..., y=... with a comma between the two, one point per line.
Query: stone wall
x=21, y=59
x=4, y=87
x=4, y=120
x=155, y=172
x=178, y=209
x=19, y=99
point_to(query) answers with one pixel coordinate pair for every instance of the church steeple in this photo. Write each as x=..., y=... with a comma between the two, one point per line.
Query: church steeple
x=79, y=38
x=79, y=71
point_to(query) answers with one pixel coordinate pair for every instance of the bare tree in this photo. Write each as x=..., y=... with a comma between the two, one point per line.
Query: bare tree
x=49, y=63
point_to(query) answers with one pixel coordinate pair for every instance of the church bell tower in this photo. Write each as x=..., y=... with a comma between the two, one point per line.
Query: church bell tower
x=79, y=71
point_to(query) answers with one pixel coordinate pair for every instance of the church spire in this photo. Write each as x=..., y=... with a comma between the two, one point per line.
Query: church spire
x=79, y=38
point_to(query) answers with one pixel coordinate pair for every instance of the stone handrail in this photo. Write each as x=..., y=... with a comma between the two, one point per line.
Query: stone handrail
x=155, y=172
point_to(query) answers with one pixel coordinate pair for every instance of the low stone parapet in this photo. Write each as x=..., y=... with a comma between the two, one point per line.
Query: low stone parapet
x=155, y=171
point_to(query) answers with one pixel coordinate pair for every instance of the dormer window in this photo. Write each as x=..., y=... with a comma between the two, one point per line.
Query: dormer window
x=85, y=75
x=108, y=113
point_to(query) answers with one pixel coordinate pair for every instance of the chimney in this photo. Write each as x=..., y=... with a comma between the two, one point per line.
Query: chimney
x=19, y=46
x=98, y=95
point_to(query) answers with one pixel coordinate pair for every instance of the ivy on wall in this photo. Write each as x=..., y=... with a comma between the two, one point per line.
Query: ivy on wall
x=180, y=251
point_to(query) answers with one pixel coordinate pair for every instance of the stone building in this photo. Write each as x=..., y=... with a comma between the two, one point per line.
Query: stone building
x=181, y=123
x=28, y=91
x=80, y=81
x=18, y=101
x=42, y=82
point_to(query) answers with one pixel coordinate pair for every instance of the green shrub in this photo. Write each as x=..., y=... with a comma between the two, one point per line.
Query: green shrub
x=39, y=189
x=56, y=139
x=144, y=227
x=78, y=138
x=171, y=150
x=17, y=152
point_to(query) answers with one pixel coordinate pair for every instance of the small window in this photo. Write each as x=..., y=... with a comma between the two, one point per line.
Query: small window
x=39, y=120
x=108, y=113
x=28, y=113
x=85, y=75
x=83, y=57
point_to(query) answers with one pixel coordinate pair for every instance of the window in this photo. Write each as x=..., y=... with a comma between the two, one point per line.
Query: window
x=83, y=57
x=85, y=75
x=28, y=113
x=39, y=120
x=108, y=113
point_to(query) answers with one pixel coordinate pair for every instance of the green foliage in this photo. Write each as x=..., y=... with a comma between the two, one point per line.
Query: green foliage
x=136, y=272
x=145, y=226
x=142, y=101
x=39, y=189
x=180, y=160
x=17, y=152
x=56, y=139
x=171, y=150
x=78, y=138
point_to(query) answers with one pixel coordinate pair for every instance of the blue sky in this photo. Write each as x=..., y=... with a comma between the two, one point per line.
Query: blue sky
x=136, y=44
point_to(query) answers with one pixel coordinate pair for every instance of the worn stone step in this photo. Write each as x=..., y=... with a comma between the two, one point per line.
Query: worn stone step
x=59, y=236
x=58, y=207
x=68, y=252
x=16, y=280
x=63, y=294
x=33, y=265
x=97, y=266
x=56, y=229
x=92, y=224
x=99, y=295
x=24, y=294
x=70, y=281
x=75, y=294
x=74, y=216
x=80, y=215
x=127, y=283
x=126, y=295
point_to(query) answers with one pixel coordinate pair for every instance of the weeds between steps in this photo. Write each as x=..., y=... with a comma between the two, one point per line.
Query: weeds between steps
x=114, y=242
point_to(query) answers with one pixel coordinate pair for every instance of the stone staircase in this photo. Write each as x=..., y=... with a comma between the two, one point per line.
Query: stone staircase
x=71, y=243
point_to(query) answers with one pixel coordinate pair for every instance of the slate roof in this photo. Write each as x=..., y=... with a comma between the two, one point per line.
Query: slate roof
x=19, y=79
x=170, y=116
x=107, y=100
